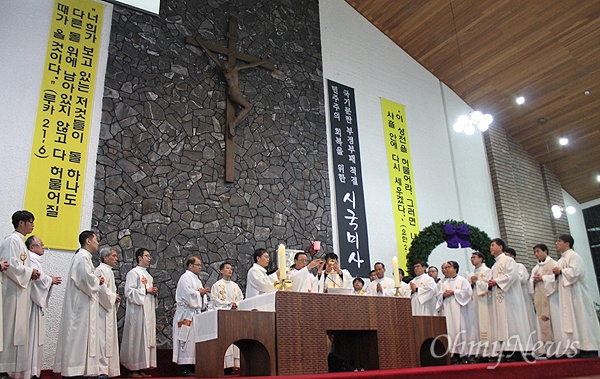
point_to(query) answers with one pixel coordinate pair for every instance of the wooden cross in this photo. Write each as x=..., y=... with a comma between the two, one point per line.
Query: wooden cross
x=230, y=69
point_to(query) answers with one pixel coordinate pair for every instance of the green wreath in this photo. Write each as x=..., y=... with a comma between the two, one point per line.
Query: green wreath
x=433, y=235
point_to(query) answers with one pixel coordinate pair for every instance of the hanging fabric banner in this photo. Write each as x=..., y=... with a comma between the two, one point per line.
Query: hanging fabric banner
x=349, y=197
x=57, y=167
x=404, y=197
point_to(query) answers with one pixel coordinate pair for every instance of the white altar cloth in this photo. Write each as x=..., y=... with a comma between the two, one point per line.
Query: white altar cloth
x=206, y=324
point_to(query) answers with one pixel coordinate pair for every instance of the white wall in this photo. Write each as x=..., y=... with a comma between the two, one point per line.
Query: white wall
x=358, y=55
x=582, y=243
x=24, y=30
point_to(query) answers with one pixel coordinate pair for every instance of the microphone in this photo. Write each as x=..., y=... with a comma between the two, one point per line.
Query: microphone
x=333, y=281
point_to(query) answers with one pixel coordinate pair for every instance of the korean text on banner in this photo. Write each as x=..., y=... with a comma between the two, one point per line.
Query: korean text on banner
x=60, y=142
x=349, y=196
x=404, y=197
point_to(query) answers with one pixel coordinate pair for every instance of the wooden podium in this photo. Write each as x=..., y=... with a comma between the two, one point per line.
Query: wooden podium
x=372, y=332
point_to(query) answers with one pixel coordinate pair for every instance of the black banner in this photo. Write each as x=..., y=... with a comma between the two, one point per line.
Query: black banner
x=349, y=198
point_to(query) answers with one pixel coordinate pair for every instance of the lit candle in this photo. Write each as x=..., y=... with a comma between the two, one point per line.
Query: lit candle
x=281, y=262
x=396, y=273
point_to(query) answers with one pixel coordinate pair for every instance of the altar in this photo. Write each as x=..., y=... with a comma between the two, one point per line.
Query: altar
x=292, y=333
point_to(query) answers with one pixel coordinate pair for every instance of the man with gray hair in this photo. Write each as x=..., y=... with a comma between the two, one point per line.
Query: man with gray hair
x=40, y=294
x=109, y=299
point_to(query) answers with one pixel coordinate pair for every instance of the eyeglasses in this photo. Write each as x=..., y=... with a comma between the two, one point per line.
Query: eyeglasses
x=147, y=255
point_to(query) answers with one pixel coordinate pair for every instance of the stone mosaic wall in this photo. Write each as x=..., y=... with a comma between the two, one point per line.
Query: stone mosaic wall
x=159, y=180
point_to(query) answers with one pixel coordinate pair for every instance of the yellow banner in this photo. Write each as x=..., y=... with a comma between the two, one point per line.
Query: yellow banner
x=404, y=198
x=61, y=136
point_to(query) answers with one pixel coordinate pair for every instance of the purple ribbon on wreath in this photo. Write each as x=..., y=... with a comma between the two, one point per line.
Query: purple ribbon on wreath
x=458, y=236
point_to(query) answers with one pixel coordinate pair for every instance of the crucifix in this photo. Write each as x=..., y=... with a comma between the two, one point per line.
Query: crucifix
x=230, y=69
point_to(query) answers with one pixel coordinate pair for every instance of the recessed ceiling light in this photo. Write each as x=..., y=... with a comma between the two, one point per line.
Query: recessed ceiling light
x=586, y=92
x=563, y=141
x=598, y=178
x=520, y=100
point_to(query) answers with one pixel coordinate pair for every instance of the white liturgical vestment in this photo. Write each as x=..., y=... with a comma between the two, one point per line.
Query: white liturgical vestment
x=258, y=282
x=509, y=324
x=333, y=280
x=387, y=286
x=302, y=280
x=545, y=297
x=528, y=299
x=424, y=300
x=189, y=303
x=40, y=293
x=579, y=323
x=223, y=293
x=138, y=347
x=14, y=356
x=77, y=349
x=482, y=305
x=107, y=322
x=460, y=316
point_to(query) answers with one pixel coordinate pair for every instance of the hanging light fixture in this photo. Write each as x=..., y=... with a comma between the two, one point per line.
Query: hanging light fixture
x=475, y=119
x=557, y=210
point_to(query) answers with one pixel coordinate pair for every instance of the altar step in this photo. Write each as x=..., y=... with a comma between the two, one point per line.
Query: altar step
x=546, y=369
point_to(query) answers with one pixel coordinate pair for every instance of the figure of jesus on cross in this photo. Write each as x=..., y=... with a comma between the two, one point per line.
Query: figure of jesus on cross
x=230, y=69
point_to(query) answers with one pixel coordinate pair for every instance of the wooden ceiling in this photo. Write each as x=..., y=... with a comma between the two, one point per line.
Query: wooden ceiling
x=545, y=50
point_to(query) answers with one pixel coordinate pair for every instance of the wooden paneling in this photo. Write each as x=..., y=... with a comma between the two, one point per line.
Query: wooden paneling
x=547, y=51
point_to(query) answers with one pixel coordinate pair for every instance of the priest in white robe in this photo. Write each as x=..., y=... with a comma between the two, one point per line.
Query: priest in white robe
x=301, y=276
x=77, y=349
x=138, y=346
x=190, y=298
x=544, y=289
x=109, y=300
x=381, y=286
x=482, y=301
x=580, y=329
x=509, y=325
x=16, y=280
x=524, y=281
x=40, y=294
x=424, y=292
x=226, y=294
x=330, y=275
x=3, y=266
x=257, y=280
x=454, y=302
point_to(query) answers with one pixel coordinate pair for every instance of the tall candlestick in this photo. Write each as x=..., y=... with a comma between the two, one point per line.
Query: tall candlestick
x=396, y=273
x=281, y=262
